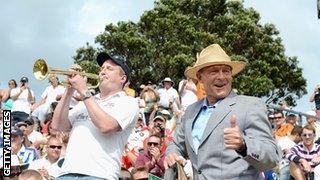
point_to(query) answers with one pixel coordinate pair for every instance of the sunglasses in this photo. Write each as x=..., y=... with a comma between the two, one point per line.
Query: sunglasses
x=153, y=143
x=29, y=124
x=277, y=117
x=310, y=135
x=54, y=147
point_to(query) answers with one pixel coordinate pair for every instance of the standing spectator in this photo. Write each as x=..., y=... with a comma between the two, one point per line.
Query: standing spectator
x=153, y=157
x=150, y=97
x=23, y=98
x=226, y=136
x=316, y=98
x=187, y=92
x=168, y=94
x=3, y=96
x=51, y=94
x=8, y=102
x=100, y=124
x=305, y=156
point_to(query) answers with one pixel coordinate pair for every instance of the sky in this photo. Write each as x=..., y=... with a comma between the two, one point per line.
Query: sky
x=54, y=30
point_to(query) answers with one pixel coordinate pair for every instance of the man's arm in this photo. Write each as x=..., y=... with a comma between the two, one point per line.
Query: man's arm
x=262, y=151
x=60, y=120
x=177, y=148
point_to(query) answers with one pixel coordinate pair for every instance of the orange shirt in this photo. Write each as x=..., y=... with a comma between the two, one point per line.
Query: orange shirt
x=284, y=130
x=200, y=90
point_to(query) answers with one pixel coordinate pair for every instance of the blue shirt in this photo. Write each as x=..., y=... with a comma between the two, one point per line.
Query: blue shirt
x=200, y=123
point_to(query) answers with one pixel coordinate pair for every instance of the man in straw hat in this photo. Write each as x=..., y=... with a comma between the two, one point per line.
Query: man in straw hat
x=225, y=135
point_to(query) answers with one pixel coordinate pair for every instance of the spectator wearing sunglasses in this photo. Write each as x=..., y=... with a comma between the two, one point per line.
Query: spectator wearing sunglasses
x=48, y=165
x=153, y=158
x=305, y=156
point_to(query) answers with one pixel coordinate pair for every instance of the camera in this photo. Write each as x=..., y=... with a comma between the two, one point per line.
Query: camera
x=162, y=133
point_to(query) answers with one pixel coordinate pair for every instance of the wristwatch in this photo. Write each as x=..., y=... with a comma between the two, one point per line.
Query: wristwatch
x=86, y=95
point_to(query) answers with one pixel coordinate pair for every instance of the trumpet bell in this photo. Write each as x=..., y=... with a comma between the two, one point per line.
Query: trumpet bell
x=40, y=69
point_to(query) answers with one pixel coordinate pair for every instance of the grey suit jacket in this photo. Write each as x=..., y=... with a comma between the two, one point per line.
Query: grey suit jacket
x=214, y=160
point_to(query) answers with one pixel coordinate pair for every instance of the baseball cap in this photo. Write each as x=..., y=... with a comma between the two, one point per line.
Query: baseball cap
x=29, y=121
x=24, y=79
x=19, y=124
x=16, y=131
x=159, y=118
x=119, y=60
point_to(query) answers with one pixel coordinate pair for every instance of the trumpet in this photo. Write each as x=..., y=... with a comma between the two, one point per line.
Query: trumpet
x=41, y=71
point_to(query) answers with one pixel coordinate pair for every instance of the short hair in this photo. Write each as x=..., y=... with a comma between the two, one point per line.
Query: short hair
x=30, y=174
x=139, y=169
x=309, y=127
x=157, y=136
x=297, y=130
x=279, y=112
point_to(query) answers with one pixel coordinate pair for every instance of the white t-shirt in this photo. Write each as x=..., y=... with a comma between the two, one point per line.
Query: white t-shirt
x=187, y=97
x=167, y=95
x=43, y=163
x=91, y=152
x=51, y=93
x=21, y=103
x=35, y=136
x=285, y=143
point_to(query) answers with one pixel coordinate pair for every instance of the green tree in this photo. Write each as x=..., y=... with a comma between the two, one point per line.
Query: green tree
x=166, y=39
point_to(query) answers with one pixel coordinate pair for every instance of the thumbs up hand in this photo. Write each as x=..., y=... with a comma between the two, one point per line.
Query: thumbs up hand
x=233, y=136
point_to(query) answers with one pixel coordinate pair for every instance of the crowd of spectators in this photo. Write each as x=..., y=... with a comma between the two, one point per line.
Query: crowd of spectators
x=38, y=149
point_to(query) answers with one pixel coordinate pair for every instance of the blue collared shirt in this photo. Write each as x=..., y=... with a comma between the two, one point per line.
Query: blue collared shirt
x=200, y=123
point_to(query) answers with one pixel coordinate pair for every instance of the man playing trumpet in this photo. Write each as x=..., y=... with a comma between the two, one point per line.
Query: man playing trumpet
x=100, y=125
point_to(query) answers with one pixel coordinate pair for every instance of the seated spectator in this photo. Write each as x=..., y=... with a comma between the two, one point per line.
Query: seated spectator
x=153, y=158
x=140, y=173
x=281, y=128
x=305, y=156
x=158, y=127
x=35, y=137
x=286, y=143
x=311, y=120
x=48, y=165
x=135, y=144
x=25, y=154
x=30, y=174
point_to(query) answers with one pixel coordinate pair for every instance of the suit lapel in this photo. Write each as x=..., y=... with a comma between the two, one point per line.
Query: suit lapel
x=218, y=115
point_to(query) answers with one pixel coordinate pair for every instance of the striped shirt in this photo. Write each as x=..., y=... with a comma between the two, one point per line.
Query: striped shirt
x=300, y=151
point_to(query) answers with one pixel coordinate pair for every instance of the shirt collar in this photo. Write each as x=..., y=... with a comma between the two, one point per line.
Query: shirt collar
x=205, y=103
x=118, y=94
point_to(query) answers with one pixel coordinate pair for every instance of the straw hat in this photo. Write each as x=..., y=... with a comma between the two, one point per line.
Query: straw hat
x=213, y=55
